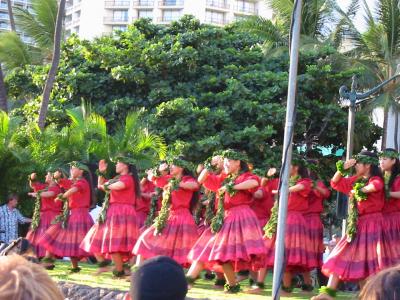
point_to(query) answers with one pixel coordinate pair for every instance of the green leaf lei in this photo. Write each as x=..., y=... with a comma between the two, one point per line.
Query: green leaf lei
x=153, y=207
x=386, y=178
x=210, y=207
x=352, y=218
x=36, y=210
x=272, y=224
x=162, y=218
x=340, y=168
x=63, y=217
x=218, y=219
x=106, y=203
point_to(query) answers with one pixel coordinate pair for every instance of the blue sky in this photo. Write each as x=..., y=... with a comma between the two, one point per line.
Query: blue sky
x=359, y=18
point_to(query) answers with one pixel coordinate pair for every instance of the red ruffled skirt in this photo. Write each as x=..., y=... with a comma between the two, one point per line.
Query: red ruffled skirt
x=65, y=242
x=33, y=236
x=391, y=239
x=297, y=244
x=118, y=234
x=141, y=217
x=239, y=242
x=175, y=241
x=363, y=256
x=316, y=232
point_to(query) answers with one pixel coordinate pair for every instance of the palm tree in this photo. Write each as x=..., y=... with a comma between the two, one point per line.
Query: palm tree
x=134, y=138
x=377, y=50
x=40, y=26
x=54, y=65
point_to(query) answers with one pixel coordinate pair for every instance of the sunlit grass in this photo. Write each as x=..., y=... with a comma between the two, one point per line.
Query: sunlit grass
x=202, y=289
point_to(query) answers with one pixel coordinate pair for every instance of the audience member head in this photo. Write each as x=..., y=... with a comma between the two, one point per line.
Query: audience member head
x=383, y=286
x=159, y=278
x=12, y=200
x=23, y=280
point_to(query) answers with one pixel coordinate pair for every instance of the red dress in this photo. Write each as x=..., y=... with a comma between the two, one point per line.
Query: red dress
x=262, y=207
x=239, y=241
x=297, y=240
x=49, y=209
x=363, y=256
x=391, y=226
x=119, y=232
x=180, y=233
x=65, y=242
x=314, y=223
x=143, y=204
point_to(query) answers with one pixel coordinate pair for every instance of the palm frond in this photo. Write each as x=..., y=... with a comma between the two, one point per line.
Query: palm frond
x=13, y=51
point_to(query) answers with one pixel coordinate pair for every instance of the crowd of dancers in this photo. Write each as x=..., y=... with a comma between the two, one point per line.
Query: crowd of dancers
x=223, y=220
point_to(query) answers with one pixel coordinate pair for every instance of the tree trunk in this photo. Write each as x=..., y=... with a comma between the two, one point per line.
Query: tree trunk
x=3, y=93
x=385, y=125
x=11, y=15
x=54, y=65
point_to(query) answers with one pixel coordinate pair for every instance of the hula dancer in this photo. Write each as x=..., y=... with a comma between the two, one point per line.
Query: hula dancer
x=215, y=166
x=116, y=231
x=359, y=253
x=312, y=216
x=174, y=231
x=390, y=165
x=45, y=211
x=143, y=204
x=237, y=242
x=297, y=241
x=63, y=238
x=263, y=203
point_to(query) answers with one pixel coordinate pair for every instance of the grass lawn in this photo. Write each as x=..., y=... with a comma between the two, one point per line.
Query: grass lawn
x=202, y=289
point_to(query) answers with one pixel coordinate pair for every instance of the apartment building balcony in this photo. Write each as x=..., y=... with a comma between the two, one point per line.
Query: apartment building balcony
x=117, y=4
x=143, y=3
x=111, y=20
x=216, y=21
x=217, y=5
x=72, y=8
x=248, y=10
x=23, y=2
x=3, y=6
x=68, y=23
x=171, y=4
x=4, y=17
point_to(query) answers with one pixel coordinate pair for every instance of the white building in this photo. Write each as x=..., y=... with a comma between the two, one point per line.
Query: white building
x=5, y=19
x=93, y=18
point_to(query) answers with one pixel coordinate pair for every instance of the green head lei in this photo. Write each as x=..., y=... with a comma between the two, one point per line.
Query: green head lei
x=124, y=159
x=366, y=159
x=79, y=165
x=234, y=155
x=179, y=162
x=259, y=172
x=389, y=154
x=298, y=160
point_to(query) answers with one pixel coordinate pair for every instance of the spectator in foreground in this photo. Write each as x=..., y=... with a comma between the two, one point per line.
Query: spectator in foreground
x=23, y=280
x=10, y=217
x=383, y=286
x=158, y=278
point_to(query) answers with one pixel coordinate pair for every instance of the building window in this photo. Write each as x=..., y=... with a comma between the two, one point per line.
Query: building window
x=171, y=15
x=120, y=15
x=246, y=6
x=145, y=13
x=120, y=28
x=3, y=16
x=76, y=29
x=77, y=14
x=3, y=5
x=215, y=17
x=171, y=2
x=3, y=25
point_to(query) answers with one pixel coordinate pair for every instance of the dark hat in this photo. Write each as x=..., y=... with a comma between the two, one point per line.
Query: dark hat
x=159, y=278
